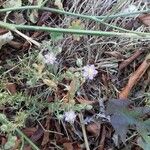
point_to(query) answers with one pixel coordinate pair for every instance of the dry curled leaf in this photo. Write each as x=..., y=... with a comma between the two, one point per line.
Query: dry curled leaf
x=11, y=87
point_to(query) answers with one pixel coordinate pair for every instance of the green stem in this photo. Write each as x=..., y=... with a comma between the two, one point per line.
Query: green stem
x=71, y=31
x=27, y=139
x=73, y=14
x=94, y=18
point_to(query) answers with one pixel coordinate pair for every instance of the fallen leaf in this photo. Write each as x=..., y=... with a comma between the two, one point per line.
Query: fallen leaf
x=76, y=146
x=68, y=146
x=94, y=129
x=17, y=144
x=11, y=87
x=5, y=38
x=145, y=19
x=81, y=100
x=29, y=131
x=27, y=147
x=15, y=44
x=37, y=134
x=3, y=31
x=134, y=78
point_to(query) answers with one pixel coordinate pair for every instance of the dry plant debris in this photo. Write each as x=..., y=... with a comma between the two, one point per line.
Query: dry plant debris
x=74, y=74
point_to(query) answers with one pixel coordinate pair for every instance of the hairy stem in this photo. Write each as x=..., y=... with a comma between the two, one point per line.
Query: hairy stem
x=4, y=120
x=73, y=14
x=94, y=18
x=71, y=31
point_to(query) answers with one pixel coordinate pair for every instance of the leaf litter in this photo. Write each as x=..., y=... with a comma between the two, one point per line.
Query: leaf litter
x=48, y=98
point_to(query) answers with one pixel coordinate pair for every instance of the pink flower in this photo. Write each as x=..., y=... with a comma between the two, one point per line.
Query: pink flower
x=89, y=72
x=70, y=116
x=49, y=58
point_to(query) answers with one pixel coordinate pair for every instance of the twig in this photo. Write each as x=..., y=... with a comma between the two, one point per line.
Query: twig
x=135, y=77
x=130, y=59
x=84, y=132
x=30, y=40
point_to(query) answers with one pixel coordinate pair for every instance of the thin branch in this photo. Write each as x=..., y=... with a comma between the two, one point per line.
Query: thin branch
x=30, y=40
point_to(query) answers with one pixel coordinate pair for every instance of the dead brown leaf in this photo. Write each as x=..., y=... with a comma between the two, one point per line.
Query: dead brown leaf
x=3, y=31
x=29, y=131
x=145, y=19
x=68, y=146
x=11, y=87
x=134, y=78
x=76, y=146
x=15, y=44
x=17, y=143
x=37, y=134
x=94, y=129
x=27, y=147
x=81, y=100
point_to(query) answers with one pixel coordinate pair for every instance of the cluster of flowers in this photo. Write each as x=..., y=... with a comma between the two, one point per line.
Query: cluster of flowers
x=89, y=72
